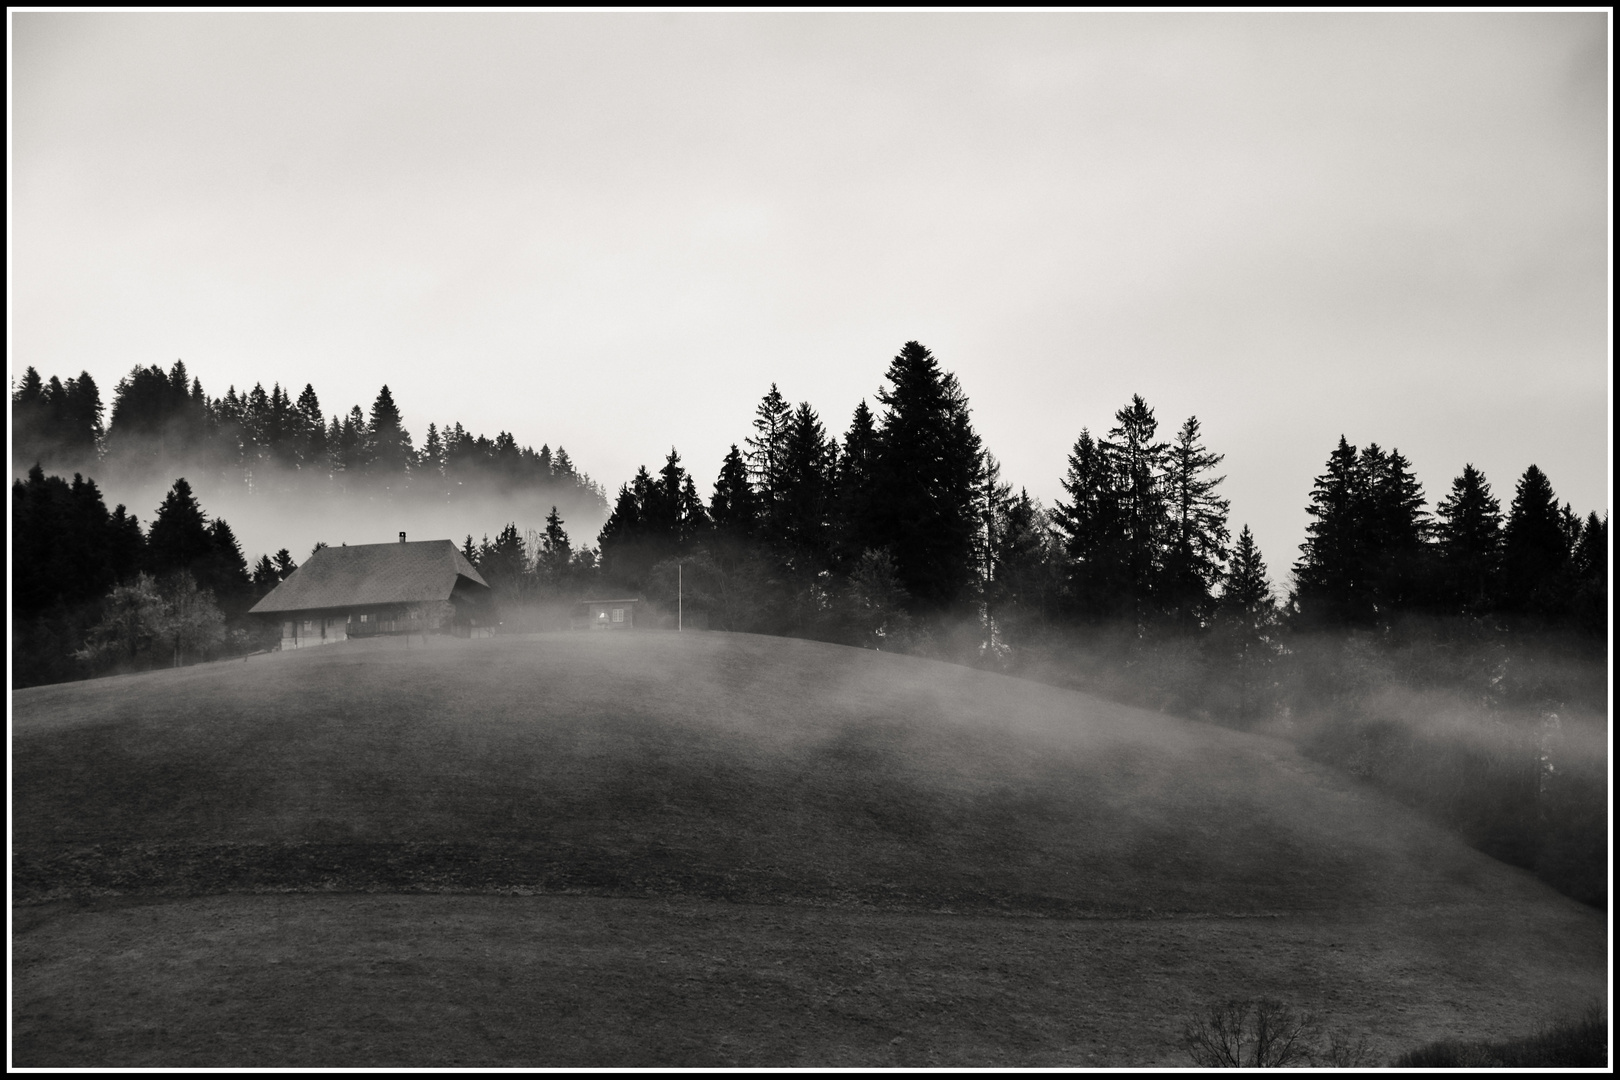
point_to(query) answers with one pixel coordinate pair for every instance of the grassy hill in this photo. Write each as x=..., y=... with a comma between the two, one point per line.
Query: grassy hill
x=664, y=822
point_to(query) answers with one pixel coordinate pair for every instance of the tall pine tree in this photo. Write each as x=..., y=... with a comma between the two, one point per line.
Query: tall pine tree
x=1091, y=535
x=798, y=526
x=179, y=537
x=764, y=455
x=1196, y=545
x=1468, y=532
x=1137, y=461
x=925, y=481
x=391, y=452
x=732, y=508
x=1329, y=578
x=1535, y=550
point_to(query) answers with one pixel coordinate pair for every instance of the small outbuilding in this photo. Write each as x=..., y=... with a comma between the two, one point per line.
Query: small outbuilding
x=604, y=615
x=368, y=590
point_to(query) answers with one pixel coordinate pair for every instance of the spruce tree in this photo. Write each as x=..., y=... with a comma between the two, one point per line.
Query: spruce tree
x=258, y=423
x=83, y=546
x=179, y=536
x=311, y=430
x=354, y=442
x=265, y=577
x=1330, y=574
x=798, y=526
x=1196, y=547
x=1535, y=550
x=29, y=419
x=504, y=563
x=765, y=450
x=661, y=502
x=925, y=481
x=391, y=451
x=562, y=466
x=1138, y=463
x=126, y=544
x=1014, y=562
x=229, y=426
x=1090, y=534
x=150, y=419
x=694, y=518
x=1468, y=531
x=627, y=552
x=1246, y=588
x=225, y=571
x=556, y=553
x=38, y=522
x=334, y=446
x=1394, y=530
x=283, y=431
x=852, y=510
x=1590, y=571
x=1245, y=622
x=732, y=507
x=432, y=450
x=79, y=429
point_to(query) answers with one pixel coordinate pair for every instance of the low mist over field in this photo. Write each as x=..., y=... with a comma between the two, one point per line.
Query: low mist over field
x=805, y=811
x=289, y=511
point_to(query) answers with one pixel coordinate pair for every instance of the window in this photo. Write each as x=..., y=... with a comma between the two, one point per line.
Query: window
x=309, y=624
x=365, y=618
x=618, y=614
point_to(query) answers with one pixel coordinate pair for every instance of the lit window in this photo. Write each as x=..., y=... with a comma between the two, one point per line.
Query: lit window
x=618, y=614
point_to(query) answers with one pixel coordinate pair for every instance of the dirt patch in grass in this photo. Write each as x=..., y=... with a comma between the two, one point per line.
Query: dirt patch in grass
x=583, y=981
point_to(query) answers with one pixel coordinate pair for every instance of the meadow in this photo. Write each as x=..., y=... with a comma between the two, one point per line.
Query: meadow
x=718, y=849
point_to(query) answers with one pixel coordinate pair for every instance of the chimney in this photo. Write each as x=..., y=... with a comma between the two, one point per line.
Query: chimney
x=402, y=538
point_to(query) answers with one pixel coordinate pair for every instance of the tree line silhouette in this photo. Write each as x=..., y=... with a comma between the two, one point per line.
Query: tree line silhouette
x=901, y=534
x=93, y=592
x=907, y=520
x=166, y=422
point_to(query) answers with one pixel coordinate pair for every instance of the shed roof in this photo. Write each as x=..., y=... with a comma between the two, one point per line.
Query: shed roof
x=339, y=577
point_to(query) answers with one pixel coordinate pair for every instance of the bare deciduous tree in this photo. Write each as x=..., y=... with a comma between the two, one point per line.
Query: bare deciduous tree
x=1248, y=1034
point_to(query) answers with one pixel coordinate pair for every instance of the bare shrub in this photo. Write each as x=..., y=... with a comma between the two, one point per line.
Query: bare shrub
x=1251, y=1033
x=1341, y=1052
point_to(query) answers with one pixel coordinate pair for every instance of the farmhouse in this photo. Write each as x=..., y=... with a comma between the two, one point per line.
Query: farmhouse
x=603, y=615
x=371, y=589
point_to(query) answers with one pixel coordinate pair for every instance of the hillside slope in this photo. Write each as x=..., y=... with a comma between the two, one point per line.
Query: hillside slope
x=727, y=766
x=716, y=850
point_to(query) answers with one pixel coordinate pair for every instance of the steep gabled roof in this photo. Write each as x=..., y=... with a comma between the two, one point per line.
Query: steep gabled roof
x=339, y=577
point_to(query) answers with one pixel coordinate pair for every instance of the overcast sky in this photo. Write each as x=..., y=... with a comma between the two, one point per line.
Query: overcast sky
x=615, y=231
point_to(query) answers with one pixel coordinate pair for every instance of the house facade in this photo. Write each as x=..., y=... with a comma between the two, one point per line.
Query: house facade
x=370, y=590
x=604, y=615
